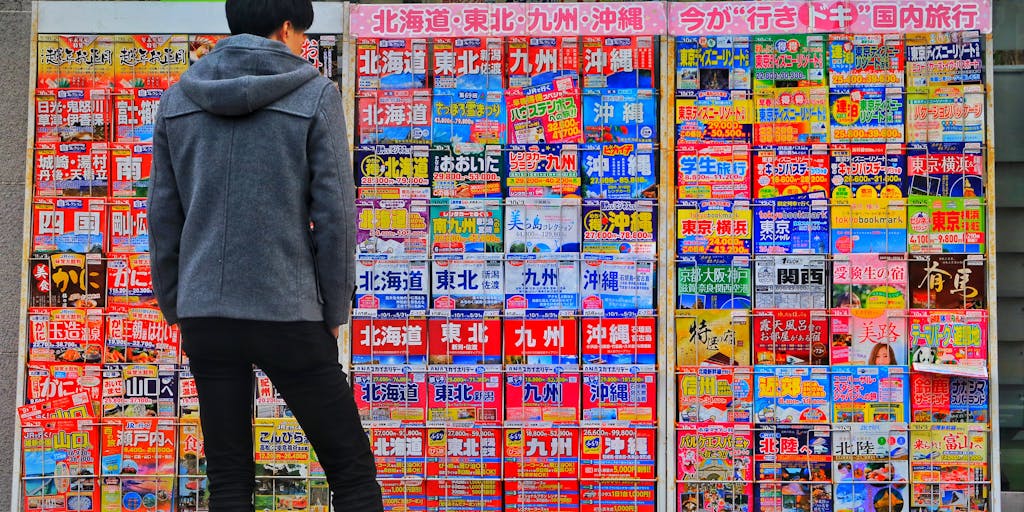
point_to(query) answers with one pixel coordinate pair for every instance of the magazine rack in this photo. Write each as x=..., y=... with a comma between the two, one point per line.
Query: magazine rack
x=495, y=357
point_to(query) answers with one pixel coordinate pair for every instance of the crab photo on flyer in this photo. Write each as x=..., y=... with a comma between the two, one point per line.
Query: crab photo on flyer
x=69, y=280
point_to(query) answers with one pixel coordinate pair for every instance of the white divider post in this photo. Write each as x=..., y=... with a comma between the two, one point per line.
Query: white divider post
x=995, y=472
x=347, y=84
x=667, y=278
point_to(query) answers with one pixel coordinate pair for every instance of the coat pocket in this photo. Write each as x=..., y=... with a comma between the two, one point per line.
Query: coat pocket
x=316, y=269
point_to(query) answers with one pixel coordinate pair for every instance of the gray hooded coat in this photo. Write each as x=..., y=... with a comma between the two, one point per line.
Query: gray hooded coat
x=250, y=149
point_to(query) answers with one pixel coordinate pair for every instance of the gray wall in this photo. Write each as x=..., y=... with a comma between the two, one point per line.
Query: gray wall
x=1010, y=275
x=1009, y=190
x=15, y=34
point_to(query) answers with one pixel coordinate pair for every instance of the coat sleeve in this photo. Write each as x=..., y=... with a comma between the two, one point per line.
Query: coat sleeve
x=166, y=221
x=332, y=207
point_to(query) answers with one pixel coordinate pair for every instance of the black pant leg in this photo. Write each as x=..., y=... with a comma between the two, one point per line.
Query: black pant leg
x=224, y=381
x=302, y=362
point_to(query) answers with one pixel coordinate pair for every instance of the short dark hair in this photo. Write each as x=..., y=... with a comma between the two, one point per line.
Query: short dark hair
x=264, y=17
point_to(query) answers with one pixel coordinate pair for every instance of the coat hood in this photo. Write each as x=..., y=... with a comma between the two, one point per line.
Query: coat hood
x=243, y=74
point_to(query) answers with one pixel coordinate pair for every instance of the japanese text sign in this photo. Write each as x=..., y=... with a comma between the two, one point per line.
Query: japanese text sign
x=798, y=16
x=635, y=18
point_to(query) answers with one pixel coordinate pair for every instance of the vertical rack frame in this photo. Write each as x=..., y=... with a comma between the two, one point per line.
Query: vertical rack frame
x=347, y=48
x=995, y=471
x=667, y=269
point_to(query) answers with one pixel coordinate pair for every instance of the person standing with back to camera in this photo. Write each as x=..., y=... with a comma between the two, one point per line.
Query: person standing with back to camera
x=251, y=211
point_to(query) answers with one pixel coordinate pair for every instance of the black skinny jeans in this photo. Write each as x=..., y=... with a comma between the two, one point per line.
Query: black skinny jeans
x=301, y=359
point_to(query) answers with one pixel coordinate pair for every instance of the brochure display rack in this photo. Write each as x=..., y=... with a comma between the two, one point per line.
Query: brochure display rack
x=707, y=256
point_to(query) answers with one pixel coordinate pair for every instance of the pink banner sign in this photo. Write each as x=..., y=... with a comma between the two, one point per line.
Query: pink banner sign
x=802, y=16
x=470, y=20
